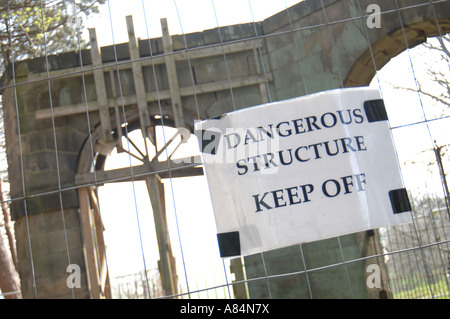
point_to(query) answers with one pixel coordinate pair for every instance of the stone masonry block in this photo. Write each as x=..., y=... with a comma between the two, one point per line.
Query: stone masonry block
x=47, y=260
x=67, y=199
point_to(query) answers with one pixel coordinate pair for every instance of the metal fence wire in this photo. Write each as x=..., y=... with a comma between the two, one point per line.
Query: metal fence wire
x=109, y=200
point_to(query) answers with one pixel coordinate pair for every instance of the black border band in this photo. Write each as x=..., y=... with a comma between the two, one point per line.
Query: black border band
x=375, y=110
x=399, y=200
x=229, y=244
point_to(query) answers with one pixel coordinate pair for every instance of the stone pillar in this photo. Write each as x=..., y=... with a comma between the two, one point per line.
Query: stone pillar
x=42, y=159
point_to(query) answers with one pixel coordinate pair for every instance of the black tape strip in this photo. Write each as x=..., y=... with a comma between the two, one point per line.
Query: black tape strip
x=399, y=200
x=209, y=141
x=375, y=110
x=229, y=244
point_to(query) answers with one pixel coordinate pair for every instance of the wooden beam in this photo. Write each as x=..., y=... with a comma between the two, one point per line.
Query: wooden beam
x=90, y=256
x=184, y=172
x=153, y=96
x=112, y=79
x=237, y=82
x=136, y=172
x=172, y=77
x=155, y=190
x=138, y=77
x=101, y=246
x=100, y=88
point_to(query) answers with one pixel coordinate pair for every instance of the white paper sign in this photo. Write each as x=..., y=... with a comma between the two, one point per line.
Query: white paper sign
x=302, y=170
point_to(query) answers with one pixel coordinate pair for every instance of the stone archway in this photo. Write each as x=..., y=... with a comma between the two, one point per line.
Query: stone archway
x=389, y=46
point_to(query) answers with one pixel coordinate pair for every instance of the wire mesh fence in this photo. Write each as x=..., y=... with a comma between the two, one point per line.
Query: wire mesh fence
x=91, y=144
x=420, y=273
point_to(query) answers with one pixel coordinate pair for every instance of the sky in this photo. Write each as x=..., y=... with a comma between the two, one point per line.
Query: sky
x=125, y=207
x=184, y=16
x=414, y=143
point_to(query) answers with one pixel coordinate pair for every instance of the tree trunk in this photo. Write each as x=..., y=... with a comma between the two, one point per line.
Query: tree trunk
x=9, y=278
x=8, y=227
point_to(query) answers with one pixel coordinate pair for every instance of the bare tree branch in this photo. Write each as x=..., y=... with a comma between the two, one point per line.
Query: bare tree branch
x=443, y=46
x=438, y=99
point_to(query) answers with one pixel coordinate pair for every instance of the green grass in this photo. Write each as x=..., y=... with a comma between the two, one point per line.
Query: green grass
x=438, y=290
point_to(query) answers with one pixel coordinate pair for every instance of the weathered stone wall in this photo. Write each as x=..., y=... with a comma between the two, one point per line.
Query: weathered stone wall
x=303, y=50
x=46, y=152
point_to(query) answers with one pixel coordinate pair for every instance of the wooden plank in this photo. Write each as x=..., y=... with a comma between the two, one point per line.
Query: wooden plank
x=217, y=49
x=136, y=172
x=153, y=97
x=112, y=80
x=100, y=88
x=80, y=108
x=185, y=172
x=138, y=77
x=153, y=183
x=172, y=77
x=237, y=82
x=90, y=256
x=101, y=246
